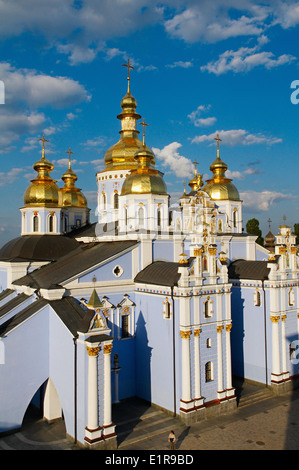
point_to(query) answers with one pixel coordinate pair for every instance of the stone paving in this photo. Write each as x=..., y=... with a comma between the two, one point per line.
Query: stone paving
x=264, y=423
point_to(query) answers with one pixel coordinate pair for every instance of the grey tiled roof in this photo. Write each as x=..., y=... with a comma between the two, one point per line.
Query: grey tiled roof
x=251, y=270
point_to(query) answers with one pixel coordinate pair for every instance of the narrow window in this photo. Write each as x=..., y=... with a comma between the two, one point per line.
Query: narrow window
x=159, y=217
x=115, y=200
x=51, y=225
x=140, y=216
x=35, y=223
x=208, y=372
x=125, y=326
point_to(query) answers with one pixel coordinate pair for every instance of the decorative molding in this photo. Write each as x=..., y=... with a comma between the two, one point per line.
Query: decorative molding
x=93, y=351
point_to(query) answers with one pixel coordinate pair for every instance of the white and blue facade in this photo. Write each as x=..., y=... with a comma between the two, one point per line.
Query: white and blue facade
x=167, y=310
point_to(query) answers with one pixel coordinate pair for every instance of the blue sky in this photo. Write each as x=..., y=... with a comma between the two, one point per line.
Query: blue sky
x=201, y=67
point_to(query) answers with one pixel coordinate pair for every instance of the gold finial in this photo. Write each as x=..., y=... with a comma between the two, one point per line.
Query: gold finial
x=43, y=141
x=195, y=165
x=128, y=67
x=218, y=140
x=69, y=152
x=143, y=124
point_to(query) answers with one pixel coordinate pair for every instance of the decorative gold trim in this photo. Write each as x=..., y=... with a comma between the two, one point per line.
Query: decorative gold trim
x=228, y=327
x=197, y=332
x=93, y=351
x=107, y=348
x=185, y=334
x=219, y=328
x=283, y=317
x=274, y=319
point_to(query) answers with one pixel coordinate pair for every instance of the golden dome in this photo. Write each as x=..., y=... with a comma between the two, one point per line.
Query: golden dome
x=70, y=195
x=145, y=178
x=219, y=187
x=43, y=190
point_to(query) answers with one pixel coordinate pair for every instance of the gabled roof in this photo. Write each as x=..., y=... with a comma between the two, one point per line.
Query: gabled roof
x=71, y=265
x=68, y=309
x=13, y=303
x=251, y=270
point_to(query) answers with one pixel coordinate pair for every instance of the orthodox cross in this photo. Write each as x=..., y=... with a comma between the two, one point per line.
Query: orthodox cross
x=43, y=141
x=69, y=152
x=269, y=222
x=218, y=140
x=128, y=67
x=195, y=164
x=143, y=124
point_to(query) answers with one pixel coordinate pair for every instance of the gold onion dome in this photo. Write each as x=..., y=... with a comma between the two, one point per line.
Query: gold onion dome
x=145, y=178
x=196, y=182
x=121, y=156
x=219, y=187
x=43, y=190
x=70, y=195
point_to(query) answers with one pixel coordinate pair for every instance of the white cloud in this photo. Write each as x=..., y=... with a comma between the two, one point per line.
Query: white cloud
x=237, y=137
x=199, y=121
x=261, y=201
x=170, y=158
x=10, y=176
x=245, y=59
x=37, y=90
x=180, y=63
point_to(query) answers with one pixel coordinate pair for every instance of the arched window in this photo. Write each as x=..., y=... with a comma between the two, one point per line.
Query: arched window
x=35, y=223
x=209, y=371
x=51, y=223
x=126, y=216
x=219, y=225
x=204, y=263
x=115, y=201
x=159, y=217
x=104, y=201
x=140, y=216
x=235, y=218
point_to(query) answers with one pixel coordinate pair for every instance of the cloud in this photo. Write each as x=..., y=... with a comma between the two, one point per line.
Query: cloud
x=241, y=175
x=169, y=157
x=10, y=176
x=199, y=121
x=210, y=21
x=261, y=201
x=179, y=63
x=237, y=137
x=37, y=90
x=245, y=59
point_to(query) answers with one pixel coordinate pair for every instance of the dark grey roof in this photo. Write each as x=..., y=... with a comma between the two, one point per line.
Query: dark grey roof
x=164, y=273
x=69, y=310
x=22, y=316
x=72, y=314
x=37, y=248
x=13, y=303
x=251, y=270
x=5, y=293
x=84, y=257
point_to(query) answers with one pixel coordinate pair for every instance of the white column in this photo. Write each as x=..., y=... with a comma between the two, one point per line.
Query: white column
x=198, y=398
x=284, y=348
x=229, y=387
x=93, y=433
x=275, y=350
x=186, y=401
x=108, y=426
x=92, y=419
x=220, y=360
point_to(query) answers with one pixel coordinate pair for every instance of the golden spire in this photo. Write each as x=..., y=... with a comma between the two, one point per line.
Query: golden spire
x=218, y=140
x=43, y=141
x=69, y=152
x=143, y=124
x=128, y=78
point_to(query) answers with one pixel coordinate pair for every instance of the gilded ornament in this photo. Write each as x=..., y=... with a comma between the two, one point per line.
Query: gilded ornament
x=185, y=334
x=93, y=351
x=107, y=348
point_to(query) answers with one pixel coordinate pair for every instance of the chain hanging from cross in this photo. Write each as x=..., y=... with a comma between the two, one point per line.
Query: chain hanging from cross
x=128, y=67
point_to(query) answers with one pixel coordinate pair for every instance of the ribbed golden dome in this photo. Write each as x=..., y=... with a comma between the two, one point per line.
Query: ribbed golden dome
x=145, y=178
x=70, y=195
x=43, y=190
x=219, y=187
